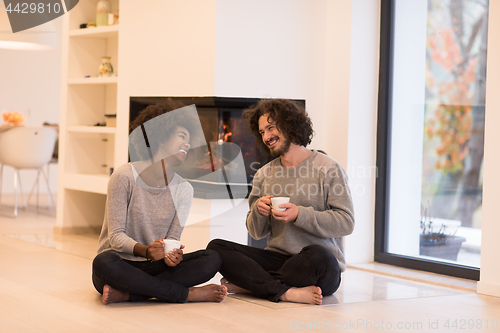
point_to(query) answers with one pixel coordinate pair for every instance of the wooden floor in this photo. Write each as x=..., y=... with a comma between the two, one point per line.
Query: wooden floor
x=45, y=286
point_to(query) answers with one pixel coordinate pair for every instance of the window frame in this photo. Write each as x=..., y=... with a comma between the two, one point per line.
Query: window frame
x=384, y=126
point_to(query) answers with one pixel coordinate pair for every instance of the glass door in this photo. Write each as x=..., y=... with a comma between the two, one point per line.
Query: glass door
x=431, y=113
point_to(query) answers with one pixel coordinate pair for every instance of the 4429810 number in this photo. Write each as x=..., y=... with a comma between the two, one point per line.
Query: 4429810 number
x=467, y=324
x=25, y=8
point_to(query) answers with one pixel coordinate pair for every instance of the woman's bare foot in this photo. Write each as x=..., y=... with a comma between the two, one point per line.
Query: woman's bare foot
x=111, y=295
x=308, y=295
x=208, y=293
x=233, y=289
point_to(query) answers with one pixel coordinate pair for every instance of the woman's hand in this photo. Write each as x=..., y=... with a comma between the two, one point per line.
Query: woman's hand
x=156, y=251
x=173, y=258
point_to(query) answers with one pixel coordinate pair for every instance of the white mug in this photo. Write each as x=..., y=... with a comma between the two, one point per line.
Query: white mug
x=276, y=202
x=171, y=244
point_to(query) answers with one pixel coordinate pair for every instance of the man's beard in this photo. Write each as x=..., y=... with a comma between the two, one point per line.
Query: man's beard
x=283, y=149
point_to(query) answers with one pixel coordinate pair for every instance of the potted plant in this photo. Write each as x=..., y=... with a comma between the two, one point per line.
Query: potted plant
x=437, y=237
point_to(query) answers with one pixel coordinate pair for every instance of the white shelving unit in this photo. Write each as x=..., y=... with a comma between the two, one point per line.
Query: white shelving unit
x=87, y=152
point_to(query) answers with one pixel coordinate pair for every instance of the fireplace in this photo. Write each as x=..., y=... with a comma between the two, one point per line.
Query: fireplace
x=227, y=164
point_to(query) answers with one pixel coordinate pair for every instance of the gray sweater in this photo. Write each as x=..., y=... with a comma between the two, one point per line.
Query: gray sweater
x=137, y=213
x=319, y=187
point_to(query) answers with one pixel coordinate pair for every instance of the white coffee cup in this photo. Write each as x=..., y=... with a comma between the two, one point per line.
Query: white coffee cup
x=277, y=201
x=171, y=244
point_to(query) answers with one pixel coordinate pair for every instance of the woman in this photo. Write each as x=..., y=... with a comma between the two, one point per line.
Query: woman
x=147, y=202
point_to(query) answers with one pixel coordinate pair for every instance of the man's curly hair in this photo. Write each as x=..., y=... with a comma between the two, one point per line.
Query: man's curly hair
x=291, y=120
x=162, y=127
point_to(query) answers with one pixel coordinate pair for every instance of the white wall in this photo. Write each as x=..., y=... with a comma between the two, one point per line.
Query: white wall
x=333, y=120
x=166, y=48
x=490, y=246
x=31, y=80
x=362, y=130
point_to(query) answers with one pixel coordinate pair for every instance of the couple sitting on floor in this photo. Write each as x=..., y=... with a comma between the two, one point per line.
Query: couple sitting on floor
x=148, y=202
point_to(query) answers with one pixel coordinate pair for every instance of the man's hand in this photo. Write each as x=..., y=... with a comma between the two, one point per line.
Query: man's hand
x=156, y=251
x=289, y=215
x=173, y=258
x=264, y=205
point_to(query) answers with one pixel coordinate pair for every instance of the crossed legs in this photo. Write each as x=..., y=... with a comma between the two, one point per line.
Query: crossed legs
x=303, y=278
x=123, y=280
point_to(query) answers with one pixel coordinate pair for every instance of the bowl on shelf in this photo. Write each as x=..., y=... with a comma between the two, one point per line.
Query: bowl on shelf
x=14, y=116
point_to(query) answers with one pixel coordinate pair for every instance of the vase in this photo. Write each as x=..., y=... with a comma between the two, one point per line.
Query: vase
x=103, y=9
x=441, y=246
x=105, y=70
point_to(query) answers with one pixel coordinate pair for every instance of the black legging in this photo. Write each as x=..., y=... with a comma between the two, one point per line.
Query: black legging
x=144, y=279
x=269, y=274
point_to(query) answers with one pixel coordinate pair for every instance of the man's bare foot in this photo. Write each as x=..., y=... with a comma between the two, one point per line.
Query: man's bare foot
x=208, y=293
x=308, y=295
x=233, y=289
x=111, y=295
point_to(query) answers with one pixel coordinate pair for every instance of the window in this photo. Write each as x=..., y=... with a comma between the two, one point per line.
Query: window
x=431, y=134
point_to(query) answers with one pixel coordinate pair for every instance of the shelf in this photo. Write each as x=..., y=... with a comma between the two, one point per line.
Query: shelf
x=93, y=80
x=95, y=183
x=97, y=32
x=92, y=129
x=87, y=152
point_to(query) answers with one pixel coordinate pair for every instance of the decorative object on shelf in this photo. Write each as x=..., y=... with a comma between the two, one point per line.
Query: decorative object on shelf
x=103, y=9
x=83, y=26
x=105, y=70
x=110, y=120
x=112, y=19
x=91, y=24
x=15, y=117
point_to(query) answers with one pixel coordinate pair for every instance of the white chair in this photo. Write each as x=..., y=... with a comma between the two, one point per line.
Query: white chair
x=26, y=148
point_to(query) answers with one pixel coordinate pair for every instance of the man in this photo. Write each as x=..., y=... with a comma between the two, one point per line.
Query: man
x=304, y=256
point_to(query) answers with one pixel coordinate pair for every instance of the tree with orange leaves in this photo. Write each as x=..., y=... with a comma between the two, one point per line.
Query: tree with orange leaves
x=455, y=82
